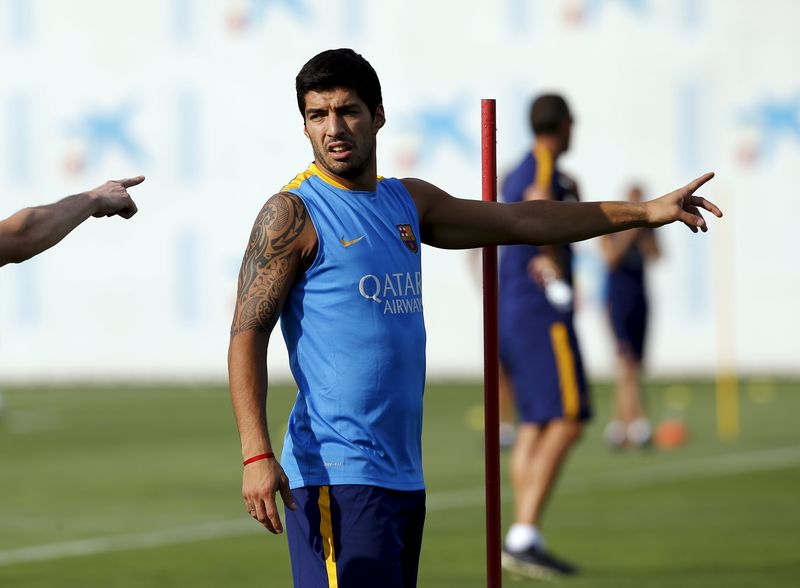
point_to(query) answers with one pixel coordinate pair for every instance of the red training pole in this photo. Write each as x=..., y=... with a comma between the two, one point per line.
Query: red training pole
x=490, y=353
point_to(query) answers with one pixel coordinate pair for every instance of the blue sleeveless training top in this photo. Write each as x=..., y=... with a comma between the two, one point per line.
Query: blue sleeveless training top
x=356, y=337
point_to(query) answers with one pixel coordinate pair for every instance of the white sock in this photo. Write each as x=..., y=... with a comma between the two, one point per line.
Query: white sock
x=521, y=536
x=614, y=433
x=507, y=434
x=639, y=432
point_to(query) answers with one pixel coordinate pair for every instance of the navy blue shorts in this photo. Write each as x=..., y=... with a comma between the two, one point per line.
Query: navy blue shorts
x=629, y=322
x=355, y=536
x=543, y=361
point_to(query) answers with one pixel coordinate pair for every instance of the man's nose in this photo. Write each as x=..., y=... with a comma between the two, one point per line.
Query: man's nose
x=336, y=125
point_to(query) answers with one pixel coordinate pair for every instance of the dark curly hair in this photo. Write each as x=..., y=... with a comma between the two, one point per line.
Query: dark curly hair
x=339, y=68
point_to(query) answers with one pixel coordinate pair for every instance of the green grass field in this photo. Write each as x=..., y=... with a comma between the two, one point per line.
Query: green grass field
x=140, y=487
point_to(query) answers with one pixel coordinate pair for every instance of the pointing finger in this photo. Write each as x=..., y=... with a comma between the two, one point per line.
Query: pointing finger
x=695, y=184
x=128, y=182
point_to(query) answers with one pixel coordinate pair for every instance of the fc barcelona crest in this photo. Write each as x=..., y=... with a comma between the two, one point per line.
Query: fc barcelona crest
x=408, y=237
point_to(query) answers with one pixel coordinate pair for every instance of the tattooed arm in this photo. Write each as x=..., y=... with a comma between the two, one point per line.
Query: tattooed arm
x=281, y=245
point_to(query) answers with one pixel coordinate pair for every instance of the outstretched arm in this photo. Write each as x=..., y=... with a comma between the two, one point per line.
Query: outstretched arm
x=453, y=223
x=33, y=230
x=280, y=244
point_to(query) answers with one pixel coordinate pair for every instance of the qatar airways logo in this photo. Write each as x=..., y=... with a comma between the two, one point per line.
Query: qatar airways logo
x=399, y=293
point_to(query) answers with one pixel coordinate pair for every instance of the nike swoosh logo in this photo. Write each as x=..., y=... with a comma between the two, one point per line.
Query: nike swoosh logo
x=353, y=242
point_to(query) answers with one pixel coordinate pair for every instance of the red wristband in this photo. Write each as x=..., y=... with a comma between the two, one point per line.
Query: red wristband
x=258, y=457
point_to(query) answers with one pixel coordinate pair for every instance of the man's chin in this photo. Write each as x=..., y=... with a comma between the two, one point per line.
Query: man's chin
x=344, y=169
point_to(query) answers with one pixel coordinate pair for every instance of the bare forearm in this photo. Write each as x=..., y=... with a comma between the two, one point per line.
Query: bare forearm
x=247, y=373
x=454, y=223
x=543, y=222
x=461, y=224
x=33, y=230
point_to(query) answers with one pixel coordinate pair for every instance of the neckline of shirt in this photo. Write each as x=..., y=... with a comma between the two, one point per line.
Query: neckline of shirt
x=317, y=171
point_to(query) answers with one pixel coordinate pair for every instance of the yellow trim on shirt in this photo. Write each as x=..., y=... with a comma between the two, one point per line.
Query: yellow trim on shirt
x=565, y=363
x=326, y=178
x=326, y=531
x=298, y=179
x=314, y=170
x=544, y=167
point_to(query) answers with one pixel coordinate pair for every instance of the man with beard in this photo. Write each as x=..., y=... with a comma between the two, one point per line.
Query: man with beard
x=336, y=256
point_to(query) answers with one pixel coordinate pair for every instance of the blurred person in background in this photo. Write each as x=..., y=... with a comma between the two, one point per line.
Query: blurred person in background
x=538, y=345
x=33, y=230
x=626, y=255
x=336, y=256
x=508, y=416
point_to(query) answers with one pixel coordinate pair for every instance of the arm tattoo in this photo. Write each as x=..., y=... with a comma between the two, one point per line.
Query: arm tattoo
x=269, y=263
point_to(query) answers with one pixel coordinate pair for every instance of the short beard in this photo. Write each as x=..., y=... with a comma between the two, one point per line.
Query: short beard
x=351, y=170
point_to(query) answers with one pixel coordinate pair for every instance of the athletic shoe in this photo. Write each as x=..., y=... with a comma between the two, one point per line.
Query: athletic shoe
x=614, y=434
x=536, y=563
x=640, y=433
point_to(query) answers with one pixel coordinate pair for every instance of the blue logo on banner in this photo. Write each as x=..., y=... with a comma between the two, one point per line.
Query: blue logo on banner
x=438, y=125
x=693, y=13
x=188, y=120
x=19, y=18
x=519, y=15
x=103, y=132
x=773, y=120
x=592, y=8
x=27, y=294
x=690, y=124
x=354, y=17
x=187, y=276
x=183, y=19
x=20, y=146
x=255, y=12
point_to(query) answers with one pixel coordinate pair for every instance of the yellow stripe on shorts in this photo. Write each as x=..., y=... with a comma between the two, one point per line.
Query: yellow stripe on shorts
x=565, y=363
x=326, y=530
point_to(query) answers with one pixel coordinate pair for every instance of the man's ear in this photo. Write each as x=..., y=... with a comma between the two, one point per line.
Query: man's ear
x=380, y=118
x=305, y=130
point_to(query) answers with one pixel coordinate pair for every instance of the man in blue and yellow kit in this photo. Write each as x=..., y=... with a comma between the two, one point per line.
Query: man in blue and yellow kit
x=627, y=255
x=538, y=346
x=336, y=256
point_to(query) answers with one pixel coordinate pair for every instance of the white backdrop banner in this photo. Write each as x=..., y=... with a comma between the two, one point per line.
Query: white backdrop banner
x=198, y=95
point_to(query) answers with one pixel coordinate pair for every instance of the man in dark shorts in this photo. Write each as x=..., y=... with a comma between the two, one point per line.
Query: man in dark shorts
x=538, y=345
x=626, y=255
x=335, y=255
